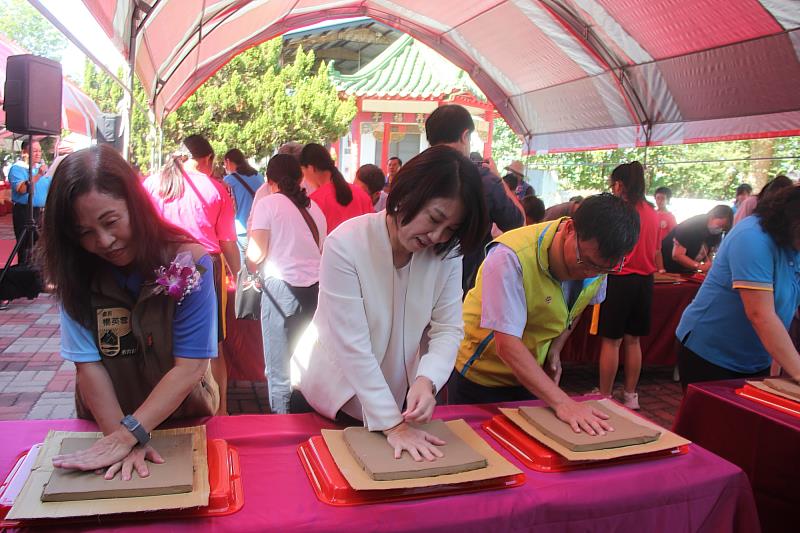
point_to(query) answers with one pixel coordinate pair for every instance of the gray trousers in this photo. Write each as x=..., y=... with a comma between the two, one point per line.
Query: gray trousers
x=286, y=311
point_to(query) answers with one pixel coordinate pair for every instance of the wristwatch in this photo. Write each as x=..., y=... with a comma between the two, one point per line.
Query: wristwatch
x=133, y=425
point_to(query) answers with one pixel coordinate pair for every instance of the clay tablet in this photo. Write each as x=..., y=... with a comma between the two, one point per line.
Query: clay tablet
x=376, y=457
x=626, y=432
x=785, y=385
x=172, y=477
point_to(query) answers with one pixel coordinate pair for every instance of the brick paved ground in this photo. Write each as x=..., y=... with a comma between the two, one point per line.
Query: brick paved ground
x=35, y=383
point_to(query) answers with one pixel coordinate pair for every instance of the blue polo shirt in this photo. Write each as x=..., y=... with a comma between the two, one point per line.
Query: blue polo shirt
x=244, y=200
x=715, y=321
x=194, y=326
x=17, y=174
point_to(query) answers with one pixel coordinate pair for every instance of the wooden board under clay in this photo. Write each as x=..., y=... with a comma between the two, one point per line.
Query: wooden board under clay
x=626, y=432
x=174, y=476
x=376, y=456
x=785, y=385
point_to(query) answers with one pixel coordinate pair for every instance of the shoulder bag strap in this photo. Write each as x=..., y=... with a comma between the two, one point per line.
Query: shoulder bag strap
x=309, y=221
x=246, y=186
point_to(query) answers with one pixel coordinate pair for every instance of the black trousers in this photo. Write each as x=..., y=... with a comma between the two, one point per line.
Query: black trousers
x=460, y=390
x=694, y=369
x=19, y=216
x=298, y=404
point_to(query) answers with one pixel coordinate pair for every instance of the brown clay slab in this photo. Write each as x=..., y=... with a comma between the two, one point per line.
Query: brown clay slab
x=626, y=432
x=172, y=477
x=376, y=457
x=784, y=385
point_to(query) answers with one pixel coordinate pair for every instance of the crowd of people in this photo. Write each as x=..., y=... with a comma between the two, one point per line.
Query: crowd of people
x=378, y=294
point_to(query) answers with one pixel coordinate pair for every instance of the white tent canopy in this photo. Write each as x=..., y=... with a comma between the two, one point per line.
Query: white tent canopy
x=566, y=74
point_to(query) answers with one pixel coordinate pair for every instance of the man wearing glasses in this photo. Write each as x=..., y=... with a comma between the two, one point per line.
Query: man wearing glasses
x=529, y=293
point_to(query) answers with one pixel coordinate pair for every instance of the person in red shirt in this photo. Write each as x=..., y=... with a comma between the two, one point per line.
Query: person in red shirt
x=338, y=199
x=666, y=220
x=625, y=313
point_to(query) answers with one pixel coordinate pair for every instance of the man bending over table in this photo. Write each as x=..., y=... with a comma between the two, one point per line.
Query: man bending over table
x=530, y=291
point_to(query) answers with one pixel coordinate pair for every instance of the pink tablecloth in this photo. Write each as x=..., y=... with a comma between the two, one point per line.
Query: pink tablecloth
x=764, y=442
x=658, y=348
x=695, y=492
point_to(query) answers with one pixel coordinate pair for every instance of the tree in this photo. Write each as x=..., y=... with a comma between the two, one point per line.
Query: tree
x=23, y=24
x=506, y=145
x=255, y=105
x=98, y=86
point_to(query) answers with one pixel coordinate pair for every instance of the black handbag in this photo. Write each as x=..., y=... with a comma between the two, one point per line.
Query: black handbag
x=249, y=286
x=248, y=295
x=247, y=305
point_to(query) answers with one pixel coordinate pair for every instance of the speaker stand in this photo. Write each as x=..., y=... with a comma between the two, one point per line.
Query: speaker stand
x=30, y=228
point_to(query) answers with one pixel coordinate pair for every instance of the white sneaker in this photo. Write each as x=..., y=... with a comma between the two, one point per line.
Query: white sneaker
x=630, y=400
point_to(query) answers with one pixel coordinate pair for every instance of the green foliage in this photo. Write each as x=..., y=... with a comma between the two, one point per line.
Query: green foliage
x=255, y=105
x=506, y=145
x=98, y=86
x=23, y=24
x=692, y=170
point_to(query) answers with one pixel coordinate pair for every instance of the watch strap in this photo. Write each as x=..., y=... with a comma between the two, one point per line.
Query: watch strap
x=136, y=428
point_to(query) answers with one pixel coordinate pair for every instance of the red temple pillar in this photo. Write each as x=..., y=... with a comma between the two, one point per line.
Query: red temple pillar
x=487, y=146
x=387, y=137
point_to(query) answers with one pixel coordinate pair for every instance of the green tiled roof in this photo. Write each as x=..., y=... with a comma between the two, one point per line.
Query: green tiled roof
x=406, y=68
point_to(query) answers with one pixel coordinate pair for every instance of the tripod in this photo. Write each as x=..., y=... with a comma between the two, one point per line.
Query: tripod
x=29, y=228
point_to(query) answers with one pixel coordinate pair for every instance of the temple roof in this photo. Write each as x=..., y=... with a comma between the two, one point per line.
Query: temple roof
x=407, y=68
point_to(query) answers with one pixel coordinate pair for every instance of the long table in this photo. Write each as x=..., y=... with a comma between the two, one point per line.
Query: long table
x=694, y=492
x=669, y=301
x=762, y=441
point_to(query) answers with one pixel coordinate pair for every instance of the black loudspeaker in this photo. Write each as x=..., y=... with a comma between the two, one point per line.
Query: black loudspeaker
x=33, y=95
x=108, y=127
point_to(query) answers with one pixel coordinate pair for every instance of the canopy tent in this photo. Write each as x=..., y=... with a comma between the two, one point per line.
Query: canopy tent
x=79, y=113
x=568, y=75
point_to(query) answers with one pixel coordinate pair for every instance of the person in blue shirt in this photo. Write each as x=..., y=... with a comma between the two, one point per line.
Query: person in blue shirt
x=244, y=181
x=141, y=335
x=18, y=178
x=738, y=322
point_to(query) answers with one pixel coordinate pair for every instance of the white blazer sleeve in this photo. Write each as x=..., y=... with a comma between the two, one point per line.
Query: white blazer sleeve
x=446, y=329
x=344, y=335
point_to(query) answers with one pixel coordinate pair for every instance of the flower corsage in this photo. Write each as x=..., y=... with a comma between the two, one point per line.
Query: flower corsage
x=180, y=278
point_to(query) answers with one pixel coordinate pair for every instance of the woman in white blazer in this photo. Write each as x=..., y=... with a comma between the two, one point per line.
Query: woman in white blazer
x=385, y=279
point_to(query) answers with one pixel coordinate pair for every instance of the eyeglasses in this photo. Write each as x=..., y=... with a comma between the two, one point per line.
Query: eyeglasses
x=616, y=267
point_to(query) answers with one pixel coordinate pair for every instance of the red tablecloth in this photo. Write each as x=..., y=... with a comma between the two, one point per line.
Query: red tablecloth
x=669, y=301
x=764, y=442
x=695, y=492
x=244, y=355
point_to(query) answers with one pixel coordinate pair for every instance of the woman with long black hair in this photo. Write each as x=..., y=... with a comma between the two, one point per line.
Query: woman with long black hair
x=625, y=313
x=286, y=235
x=244, y=181
x=338, y=199
x=138, y=311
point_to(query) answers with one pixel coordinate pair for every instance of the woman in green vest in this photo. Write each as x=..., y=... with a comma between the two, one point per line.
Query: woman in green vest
x=138, y=310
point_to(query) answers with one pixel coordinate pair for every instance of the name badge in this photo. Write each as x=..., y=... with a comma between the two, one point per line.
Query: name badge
x=114, y=335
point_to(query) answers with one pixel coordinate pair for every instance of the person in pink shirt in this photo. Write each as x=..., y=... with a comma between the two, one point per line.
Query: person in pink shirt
x=185, y=195
x=338, y=199
x=625, y=313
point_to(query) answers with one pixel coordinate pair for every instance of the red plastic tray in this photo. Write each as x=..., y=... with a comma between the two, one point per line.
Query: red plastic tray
x=226, y=495
x=539, y=457
x=332, y=488
x=779, y=403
